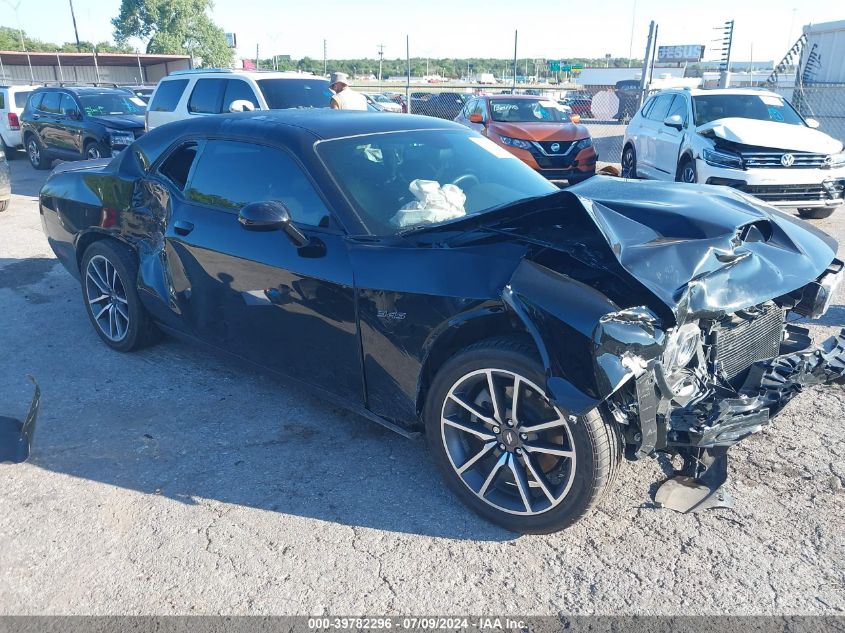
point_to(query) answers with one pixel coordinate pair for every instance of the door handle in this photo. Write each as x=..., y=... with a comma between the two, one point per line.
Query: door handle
x=182, y=227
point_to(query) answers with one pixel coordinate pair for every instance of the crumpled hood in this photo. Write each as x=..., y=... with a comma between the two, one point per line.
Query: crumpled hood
x=541, y=131
x=703, y=250
x=120, y=122
x=797, y=138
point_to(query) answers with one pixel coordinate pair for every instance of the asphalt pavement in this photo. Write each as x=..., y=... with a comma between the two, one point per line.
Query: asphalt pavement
x=171, y=481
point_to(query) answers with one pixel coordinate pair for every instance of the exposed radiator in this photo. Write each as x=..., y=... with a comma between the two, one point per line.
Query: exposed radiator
x=746, y=337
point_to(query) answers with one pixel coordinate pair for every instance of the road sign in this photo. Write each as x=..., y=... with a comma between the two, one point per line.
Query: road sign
x=554, y=66
x=577, y=66
x=566, y=68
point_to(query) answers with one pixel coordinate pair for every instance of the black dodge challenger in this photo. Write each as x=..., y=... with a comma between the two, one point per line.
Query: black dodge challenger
x=421, y=276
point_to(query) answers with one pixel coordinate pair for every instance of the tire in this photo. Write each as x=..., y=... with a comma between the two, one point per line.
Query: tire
x=629, y=162
x=687, y=172
x=120, y=319
x=4, y=204
x=35, y=153
x=94, y=150
x=501, y=485
x=819, y=213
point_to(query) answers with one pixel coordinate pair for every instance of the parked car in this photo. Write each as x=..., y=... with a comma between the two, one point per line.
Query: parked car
x=444, y=105
x=144, y=93
x=383, y=102
x=12, y=102
x=398, y=98
x=189, y=93
x=75, y=122
x=582, y=106
x=537, y=131
x=521, y=327
x=751, y=140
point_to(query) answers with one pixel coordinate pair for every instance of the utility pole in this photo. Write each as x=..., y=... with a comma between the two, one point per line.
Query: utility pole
x=727, y=43
x=15, y=8
x=380, y=60
x=75, y=32
x=631, y=43
x=256, y=56
x=515, y=33
x=325, y=61
x=646, y=62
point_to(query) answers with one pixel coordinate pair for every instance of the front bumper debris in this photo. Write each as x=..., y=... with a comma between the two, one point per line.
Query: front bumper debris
x=15, y=436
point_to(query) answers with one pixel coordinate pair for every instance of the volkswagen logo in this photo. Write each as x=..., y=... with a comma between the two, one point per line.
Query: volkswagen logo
x=555, y=147
x=787, y=160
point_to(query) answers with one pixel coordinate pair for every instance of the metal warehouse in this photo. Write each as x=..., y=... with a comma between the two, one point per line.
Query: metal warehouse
x=122, y=68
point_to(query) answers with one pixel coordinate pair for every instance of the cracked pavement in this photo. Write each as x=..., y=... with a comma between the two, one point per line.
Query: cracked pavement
x=172, y=481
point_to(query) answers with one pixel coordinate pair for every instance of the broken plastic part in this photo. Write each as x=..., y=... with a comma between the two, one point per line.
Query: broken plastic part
x=15, y=436
x=699, y=484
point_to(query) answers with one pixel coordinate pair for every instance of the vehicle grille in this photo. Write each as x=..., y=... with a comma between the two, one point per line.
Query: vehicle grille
x=773, y=159
x=563, y=147
x=796, y=193
x=744, y=338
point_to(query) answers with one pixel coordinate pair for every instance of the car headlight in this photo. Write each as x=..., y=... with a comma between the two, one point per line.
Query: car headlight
x=721, y=158
x=584, y=143
x=120, y=138
x=681, y=346
x=515, y=142
x=835, y=160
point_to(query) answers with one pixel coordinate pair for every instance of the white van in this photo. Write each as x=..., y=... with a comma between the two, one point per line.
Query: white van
x=12, y=102
x=200, y=92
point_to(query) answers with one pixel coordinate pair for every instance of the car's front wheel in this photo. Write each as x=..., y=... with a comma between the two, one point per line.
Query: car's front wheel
x=506, y=450
x=687, y=171
x=629, y=162
x=819, y=213
x=94, y=150
x=109, y=273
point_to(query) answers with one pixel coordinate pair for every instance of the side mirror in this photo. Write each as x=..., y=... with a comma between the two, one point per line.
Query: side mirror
x=241, y=105
x=269, y=216
x=674, y=121
x=812, y=124
x=575, y=118
x=476, y=118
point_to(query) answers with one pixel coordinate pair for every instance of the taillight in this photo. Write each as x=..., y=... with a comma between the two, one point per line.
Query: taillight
x=14, y=124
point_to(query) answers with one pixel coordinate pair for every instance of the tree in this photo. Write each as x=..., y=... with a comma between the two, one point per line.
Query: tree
x=171, y=26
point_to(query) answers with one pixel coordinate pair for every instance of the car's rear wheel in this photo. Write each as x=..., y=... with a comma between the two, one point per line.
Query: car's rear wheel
x=35, y=153
x=819, y=213
x=109, y=273
x=10, y=152
x=687, y=172
x=506, y=450
x=629, y=162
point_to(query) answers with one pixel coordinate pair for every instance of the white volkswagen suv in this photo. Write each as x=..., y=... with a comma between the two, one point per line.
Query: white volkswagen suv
x=749, y=139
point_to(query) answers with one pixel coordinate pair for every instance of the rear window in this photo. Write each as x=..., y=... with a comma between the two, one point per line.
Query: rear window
x=295, y=93
x=21, y=97
x=168, y=94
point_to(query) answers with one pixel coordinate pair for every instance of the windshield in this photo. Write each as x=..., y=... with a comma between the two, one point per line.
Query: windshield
x=708, y=108
x=111, y=104
x=400, y=180
x=527, y=111
x=295, y=93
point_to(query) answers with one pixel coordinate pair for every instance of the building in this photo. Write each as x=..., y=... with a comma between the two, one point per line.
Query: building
x=119, y=68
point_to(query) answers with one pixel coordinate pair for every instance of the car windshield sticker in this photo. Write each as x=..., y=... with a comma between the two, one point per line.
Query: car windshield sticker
x=503, y=108
x=490, y=146
x=775, y=115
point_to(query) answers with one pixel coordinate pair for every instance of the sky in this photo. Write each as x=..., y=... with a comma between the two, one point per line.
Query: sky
x=764, y=29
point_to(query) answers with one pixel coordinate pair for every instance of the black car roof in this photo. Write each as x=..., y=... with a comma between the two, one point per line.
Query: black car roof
x=82, y=90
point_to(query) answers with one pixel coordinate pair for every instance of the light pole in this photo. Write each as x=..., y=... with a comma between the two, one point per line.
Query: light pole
x=15, y=8
x=380, y=60
x=75, y=32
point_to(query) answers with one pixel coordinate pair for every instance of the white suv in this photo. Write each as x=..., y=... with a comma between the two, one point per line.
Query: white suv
x=749, y=139
x=12, y=101
x=200, y=92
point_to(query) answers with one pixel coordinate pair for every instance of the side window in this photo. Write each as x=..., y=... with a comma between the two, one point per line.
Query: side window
x=51, y=103
x=168, y=94
x=660, y=108
x=2, y=99
x=34, y=102
x=68, y=104
x=177, y=166
x=206, y=96
x=231, y=174
x=679, y=107
x=237, y=89
x=647, y=107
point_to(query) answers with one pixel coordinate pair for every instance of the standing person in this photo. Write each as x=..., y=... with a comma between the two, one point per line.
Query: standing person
x=344, y=98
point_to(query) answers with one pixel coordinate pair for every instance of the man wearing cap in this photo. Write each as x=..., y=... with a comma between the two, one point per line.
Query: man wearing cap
x=344, y=98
